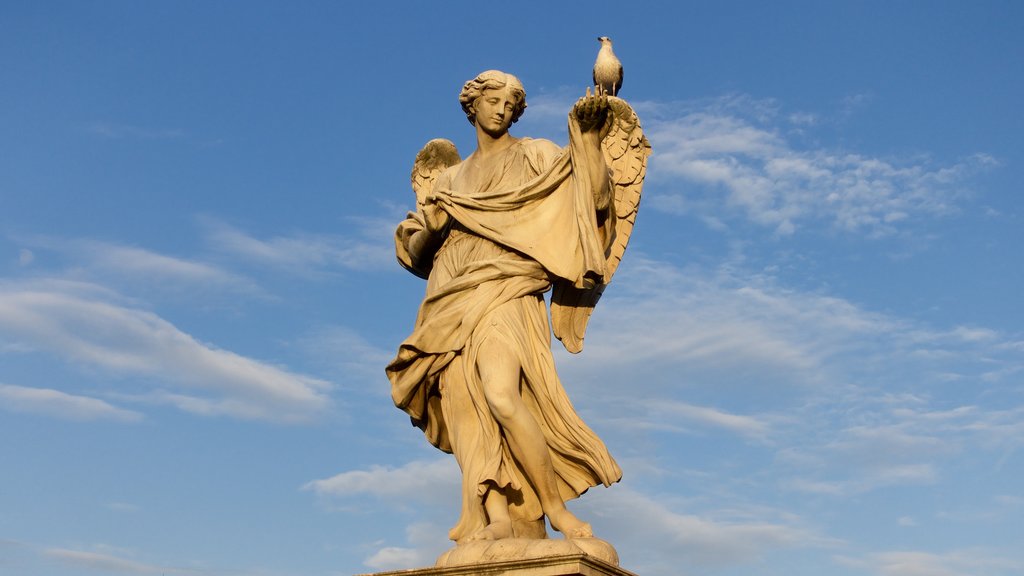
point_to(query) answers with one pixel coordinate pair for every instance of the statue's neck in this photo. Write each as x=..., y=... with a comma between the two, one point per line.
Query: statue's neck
x=488, y=145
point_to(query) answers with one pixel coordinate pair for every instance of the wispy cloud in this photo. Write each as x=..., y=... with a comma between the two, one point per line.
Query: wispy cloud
x=425, y=542
x=98, y=558
x=846, y=397
x=368, y=246
x=903, y=442
x=110, y=262
x=667, y=540
x=124, y=507
x=59, y=404
x=719, y=158
x=757, y=428
x=417, y=480
x=346, y=355
x=692, y=318
x=101, y=562
x=737, y=156
x=967, y=562
x=129, y=259
x=118, y=131
x=844, y=408
x=75, y=323
x=723, y=318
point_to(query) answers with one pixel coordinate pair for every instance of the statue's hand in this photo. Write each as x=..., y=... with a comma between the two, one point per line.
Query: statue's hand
x=591, y=110
x=434, y=217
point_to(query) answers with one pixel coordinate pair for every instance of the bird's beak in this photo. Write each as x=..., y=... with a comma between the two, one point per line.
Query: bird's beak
x=598, y=38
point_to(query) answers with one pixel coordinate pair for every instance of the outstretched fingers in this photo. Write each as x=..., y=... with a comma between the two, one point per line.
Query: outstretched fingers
x=591, y=108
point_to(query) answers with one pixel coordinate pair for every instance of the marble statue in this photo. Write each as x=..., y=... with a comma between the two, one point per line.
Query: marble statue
x=491, y=234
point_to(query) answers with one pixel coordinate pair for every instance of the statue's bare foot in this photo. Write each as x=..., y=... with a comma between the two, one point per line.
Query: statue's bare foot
x=493, y=531
x=569, y=525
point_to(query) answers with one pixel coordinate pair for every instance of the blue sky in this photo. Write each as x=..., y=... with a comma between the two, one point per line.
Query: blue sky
x=810, y=362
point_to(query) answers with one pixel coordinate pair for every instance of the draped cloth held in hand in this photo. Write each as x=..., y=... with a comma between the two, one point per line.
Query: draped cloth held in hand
x=526, y=220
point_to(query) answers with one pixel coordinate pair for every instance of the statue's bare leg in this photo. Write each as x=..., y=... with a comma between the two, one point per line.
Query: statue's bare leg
x=500, y=372
x=499, y=523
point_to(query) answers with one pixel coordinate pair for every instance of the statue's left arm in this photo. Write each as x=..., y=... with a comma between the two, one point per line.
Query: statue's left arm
x=590, y=112
x=624, y=150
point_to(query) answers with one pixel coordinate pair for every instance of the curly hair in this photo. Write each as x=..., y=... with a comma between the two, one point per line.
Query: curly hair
x=489, y=80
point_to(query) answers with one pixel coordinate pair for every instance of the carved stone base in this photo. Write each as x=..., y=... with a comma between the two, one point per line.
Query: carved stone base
x=526, y=549
x=565, y=565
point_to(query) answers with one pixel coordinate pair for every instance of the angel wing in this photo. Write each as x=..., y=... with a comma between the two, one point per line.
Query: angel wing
x=431, y=161
x=625, y=151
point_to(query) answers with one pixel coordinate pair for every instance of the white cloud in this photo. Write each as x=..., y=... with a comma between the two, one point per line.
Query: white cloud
x=75, y=322
x=418, y=480
x=395, y=558
x=802, y=119
x=663, y=324
x=845, y=407
x=346, y=354
x=847, y=397
x=970, y=562
x=883, y=444
x=662, y=315
x=108, y=563
x=61, y=405
x=898, y=444
x=123, y=507
x=733, y=158
x=137, y=261
x=664, y=540
x=745, y=425
x=678, y=415
x=426, y=542
x=852, y=103
x=118, y=131
x=667, y=541
x=371, y=246
x=1009, y=501
x=108, y=262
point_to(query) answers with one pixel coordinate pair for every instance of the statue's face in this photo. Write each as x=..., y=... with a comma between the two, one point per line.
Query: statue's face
x=493, y=110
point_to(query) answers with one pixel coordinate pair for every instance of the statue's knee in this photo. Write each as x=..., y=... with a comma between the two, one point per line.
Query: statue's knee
x=503, y=404
x=497, y=364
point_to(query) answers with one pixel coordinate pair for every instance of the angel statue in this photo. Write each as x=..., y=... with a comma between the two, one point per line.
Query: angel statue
x=491, y=234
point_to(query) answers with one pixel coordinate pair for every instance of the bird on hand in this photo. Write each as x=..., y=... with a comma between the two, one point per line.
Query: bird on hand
x=607, y=68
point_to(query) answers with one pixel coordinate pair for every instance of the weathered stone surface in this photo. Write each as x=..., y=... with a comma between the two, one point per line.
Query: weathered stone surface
x=526, y=548
x=568, y=565
x=492, y=234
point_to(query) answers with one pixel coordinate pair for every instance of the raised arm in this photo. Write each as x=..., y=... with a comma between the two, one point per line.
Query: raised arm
x=591, y=111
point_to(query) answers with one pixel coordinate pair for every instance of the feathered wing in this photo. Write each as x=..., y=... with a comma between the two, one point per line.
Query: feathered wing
x=435, y=156
x=625, y=150
x=432, y=159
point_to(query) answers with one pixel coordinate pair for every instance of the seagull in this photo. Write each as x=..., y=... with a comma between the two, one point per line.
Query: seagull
x=607, y=68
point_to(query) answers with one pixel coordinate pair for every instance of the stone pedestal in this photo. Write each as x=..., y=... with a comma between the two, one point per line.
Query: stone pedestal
x=568, y=565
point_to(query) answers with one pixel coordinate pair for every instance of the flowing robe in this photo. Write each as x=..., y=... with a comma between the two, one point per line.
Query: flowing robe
x=525, y=220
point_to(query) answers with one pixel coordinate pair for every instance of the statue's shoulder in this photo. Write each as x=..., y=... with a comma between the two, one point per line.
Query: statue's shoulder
x=540, y=146
x=540, y=152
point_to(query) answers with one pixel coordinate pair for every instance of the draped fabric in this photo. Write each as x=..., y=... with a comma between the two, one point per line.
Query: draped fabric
x=520, y=221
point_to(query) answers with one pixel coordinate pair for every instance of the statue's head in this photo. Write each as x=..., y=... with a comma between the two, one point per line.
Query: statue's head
x=491, y=80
